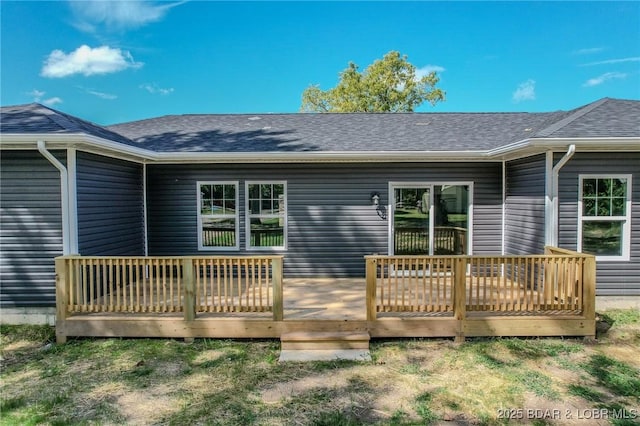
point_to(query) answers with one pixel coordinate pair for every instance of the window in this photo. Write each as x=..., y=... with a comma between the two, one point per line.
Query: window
x=266, y=215
x=605, y=209
x=218, y=216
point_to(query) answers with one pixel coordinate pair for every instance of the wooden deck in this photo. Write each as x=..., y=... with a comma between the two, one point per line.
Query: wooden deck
x=401, y=296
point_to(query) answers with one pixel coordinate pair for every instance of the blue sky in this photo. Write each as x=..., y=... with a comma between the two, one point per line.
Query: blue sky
x=118, y=61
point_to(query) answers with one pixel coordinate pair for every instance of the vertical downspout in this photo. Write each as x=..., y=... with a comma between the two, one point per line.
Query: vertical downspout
x=555, y=172
x=64, y=195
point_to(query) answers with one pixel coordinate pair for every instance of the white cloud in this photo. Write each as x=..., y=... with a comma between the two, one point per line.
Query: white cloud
x=155, y=90
x=52, y=101
x=587, y=51
x=118, y=14
x=428, y=69
x=596, y=81
x=102, y=95
x=526, y=91
x=37, y=96
x=87, y=61
x=613, y=61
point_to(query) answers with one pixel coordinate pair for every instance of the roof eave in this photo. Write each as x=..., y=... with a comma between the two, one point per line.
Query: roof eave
x=320, y=156
x=86, y=142
x=629, y=143
x=100, y=145
x=532, y=146
x=522, y=148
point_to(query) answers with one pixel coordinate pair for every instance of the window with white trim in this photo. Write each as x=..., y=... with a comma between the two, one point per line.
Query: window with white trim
x=266, y=215
x=218, y=216
x=604, y=227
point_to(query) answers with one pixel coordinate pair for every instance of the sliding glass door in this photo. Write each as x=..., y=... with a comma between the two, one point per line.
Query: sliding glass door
x=411, y=217
x=430, y=219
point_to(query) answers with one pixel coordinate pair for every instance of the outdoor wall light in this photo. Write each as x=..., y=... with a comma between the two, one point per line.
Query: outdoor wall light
x=375, y=198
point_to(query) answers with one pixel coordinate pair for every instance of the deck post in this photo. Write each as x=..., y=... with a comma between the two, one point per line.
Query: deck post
x=371, y=275
x=551, y=274
x=459, y=296
x=589, y=292
x=61, y=298
x=277, y=278
x=189, y=300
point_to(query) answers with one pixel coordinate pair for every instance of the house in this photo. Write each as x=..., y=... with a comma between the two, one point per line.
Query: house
x=323, y=190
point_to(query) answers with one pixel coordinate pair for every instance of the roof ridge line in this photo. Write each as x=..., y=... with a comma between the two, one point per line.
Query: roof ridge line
x=570, y=118
x=72, y=124
x=61, y=120
x=52, y=115
x=298, y=114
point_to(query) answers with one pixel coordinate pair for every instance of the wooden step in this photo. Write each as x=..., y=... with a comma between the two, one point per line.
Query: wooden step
x=305, y=340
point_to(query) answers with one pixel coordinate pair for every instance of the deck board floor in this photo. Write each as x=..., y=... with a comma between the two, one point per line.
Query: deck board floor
x=324, y=298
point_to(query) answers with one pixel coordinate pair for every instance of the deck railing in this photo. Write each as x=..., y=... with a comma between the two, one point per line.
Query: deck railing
x=169, y=284
x=411, y=283
x=243, y=284
x=557, y=282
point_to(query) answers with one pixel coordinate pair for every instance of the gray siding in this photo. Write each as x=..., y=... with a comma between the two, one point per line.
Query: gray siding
x=332, y=223
x=613, y=278
x=30, y=228
x=110, y=206
x=524, y=206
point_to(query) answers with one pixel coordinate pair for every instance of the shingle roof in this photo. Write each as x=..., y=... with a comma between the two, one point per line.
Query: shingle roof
x=333, y=132
x=604, y=118
x=39, y=119
x=379, y=132
x=246, y=133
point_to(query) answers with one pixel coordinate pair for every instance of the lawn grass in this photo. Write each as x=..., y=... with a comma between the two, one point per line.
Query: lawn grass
x=234, y=382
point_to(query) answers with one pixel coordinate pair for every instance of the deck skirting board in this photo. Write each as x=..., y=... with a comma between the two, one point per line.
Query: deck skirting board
x=528, y=326
x=245, y=328
x=414, y=327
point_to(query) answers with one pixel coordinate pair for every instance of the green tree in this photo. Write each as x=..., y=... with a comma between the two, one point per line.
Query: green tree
x=387, y=85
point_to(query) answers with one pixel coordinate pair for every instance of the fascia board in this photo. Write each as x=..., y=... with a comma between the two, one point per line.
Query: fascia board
x=125, y=149
x=524, y=147
x=540, y=145
x=327, y=156
x=509, y=149
x=591, y=144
